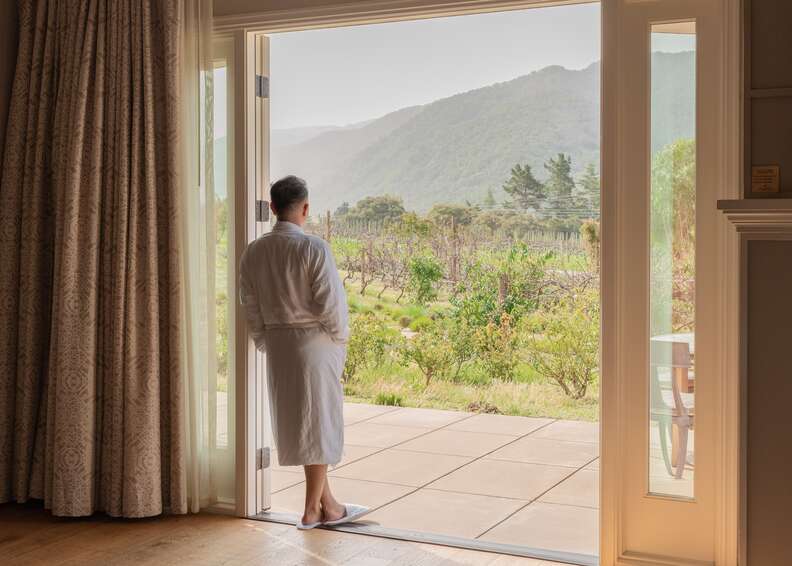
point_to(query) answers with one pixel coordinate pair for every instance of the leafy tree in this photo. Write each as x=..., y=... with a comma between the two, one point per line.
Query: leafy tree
x=442, y=214
x=377, y=208
x=368, y=339
x=342, y=210
x=524, y=191
x=425, y=272
x=589, y=188
x=489, y=199
x=559, y=185
x=431, y=351
x=563, y=342
x=497, y=348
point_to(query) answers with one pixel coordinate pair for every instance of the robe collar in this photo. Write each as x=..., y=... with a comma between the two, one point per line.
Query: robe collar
x=286, y=226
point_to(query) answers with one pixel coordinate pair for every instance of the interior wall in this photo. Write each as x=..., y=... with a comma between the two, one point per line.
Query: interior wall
x=768, y=108
x=9, y=27
x=769, y=387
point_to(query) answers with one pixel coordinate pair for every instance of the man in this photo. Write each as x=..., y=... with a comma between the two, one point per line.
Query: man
x=296, y=311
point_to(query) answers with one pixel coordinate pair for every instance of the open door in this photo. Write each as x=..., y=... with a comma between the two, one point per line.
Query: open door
x=663, y=169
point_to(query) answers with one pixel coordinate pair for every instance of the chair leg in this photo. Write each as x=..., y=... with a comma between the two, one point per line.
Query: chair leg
x=681, y=450
x=662, y=429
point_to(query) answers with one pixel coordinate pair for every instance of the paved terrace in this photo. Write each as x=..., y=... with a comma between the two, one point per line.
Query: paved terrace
x=515, y=480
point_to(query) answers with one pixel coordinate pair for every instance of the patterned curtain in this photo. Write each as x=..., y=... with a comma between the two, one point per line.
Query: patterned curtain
x=92, y=392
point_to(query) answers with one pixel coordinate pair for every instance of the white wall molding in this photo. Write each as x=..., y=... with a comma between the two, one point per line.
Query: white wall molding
x=368, y=12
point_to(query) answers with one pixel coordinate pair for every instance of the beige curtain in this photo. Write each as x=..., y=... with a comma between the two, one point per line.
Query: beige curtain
x=91, y=381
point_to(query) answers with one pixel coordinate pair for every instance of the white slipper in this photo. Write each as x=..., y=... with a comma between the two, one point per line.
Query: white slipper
x=307, y=526
x=351, y=514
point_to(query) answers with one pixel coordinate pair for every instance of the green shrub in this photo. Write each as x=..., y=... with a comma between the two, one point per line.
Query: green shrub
x=390, y=399
x=425, y=272
x=430, y=351
x=563, y=343
x=497, y=348
x=421, y=324
x=368, y=340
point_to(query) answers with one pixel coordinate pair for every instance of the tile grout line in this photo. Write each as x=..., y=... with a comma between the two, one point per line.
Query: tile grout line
x=417, y=489
x=383, y=449
x=534, y=500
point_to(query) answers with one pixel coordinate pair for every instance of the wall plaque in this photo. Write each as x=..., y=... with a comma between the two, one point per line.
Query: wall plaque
x=764, y=179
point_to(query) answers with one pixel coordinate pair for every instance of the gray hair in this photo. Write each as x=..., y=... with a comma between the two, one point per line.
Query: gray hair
x=287, y=193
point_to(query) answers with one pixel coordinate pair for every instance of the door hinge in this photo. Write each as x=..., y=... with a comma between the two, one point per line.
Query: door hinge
x=262, y=211
x=262, y=458
x=262, y=86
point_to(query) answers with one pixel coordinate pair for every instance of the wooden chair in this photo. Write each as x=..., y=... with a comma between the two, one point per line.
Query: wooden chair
x=673, y=410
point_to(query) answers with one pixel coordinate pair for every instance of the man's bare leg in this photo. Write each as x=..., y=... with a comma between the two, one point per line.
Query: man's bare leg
x=315, y=481
x=331, y=509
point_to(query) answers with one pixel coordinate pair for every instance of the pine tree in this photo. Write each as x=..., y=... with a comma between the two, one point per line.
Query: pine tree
x=489, y=199
x=589, y=187
x=524, y=190
x=560, y=185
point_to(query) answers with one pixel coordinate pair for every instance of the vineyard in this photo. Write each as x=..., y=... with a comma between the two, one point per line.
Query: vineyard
x=453, y=312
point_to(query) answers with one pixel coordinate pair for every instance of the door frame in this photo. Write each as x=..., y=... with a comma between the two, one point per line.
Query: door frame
x=244, y=27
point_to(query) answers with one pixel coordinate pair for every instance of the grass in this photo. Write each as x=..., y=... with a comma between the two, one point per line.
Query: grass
x=528, y=395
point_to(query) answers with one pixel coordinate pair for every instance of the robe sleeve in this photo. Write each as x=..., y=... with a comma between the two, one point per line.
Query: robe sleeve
x=249, y=301
x=329, y=294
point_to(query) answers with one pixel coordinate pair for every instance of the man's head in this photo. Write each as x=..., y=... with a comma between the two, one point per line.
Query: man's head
x=289, y=200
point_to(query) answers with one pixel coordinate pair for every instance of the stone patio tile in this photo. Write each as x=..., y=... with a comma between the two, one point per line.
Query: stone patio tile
x=500, y=424
x=582, y=490
x=454, y=514
x=380, y=436
x=576, y=431
x=547, y=451
x=456, y=442
x=356, y=412
x=499, y=478
x=282, y=479
x=551, y=527
x=401, y=467
x=371, y=494
x=426, y=418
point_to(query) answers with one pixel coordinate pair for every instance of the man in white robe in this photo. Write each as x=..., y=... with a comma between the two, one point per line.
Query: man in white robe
x=296, y=311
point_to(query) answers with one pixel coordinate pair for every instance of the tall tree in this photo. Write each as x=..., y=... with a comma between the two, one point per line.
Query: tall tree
x=377, y=208
x=524, y=190
x=589, y=190
x=560, y=185
x=489, y=199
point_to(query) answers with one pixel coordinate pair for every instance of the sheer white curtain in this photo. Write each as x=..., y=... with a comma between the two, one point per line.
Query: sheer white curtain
x=210, y=458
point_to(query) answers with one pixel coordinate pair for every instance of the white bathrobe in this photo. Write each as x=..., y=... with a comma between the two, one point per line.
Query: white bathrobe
x=296, y=311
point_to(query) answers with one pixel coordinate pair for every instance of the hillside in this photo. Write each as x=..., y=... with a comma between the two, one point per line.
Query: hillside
x=455, y=149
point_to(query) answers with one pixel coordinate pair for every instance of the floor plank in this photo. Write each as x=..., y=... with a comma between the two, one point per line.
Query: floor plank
x=29, y=535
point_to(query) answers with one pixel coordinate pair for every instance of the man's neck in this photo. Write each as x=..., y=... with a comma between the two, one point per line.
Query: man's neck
x=299, y=222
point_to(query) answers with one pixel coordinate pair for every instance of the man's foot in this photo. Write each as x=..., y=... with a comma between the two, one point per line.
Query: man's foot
x=311, y=517
x=333, y=512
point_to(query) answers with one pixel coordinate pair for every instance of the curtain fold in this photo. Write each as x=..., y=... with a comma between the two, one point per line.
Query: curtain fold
x=93, y=384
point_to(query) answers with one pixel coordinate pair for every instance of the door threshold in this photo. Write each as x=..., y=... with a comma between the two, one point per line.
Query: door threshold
x=373, y=529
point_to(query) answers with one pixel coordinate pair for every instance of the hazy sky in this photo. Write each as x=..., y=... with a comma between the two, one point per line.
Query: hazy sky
x=344, y=75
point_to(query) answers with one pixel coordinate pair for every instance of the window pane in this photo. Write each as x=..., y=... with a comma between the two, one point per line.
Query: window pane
x=672, y=259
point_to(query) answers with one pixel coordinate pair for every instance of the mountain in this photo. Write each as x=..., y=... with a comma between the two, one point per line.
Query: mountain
x=456, y=148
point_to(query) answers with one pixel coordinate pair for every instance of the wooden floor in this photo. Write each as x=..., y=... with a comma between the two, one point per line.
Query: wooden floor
x=30, y=535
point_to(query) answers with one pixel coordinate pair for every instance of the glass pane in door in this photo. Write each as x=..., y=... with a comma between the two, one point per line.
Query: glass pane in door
x=672, y=241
